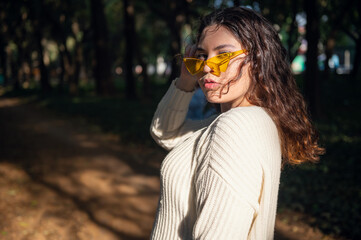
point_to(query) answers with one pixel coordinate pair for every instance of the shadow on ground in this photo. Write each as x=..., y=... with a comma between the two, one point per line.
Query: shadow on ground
x=60, y=181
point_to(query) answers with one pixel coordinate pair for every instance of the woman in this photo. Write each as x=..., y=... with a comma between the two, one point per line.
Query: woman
x=220, y=179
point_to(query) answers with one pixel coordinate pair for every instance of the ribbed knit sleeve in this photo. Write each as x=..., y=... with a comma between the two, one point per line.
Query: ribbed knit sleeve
x=230, y=176
x=169, y=125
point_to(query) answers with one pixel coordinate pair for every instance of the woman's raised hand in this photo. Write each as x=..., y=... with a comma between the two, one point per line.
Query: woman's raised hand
x=187, y=82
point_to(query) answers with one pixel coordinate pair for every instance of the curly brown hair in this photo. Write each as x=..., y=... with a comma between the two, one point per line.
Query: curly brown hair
x=272, y=86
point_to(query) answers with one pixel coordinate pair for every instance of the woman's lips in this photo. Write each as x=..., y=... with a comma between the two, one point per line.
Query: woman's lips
x=210, y=84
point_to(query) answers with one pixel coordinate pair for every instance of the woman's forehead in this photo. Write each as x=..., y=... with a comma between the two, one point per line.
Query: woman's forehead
x=216, y=35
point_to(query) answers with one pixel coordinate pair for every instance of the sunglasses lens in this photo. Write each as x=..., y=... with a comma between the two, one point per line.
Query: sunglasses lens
x=193, y=65
x=219, y=59
x=223, y=66
x=219, y=63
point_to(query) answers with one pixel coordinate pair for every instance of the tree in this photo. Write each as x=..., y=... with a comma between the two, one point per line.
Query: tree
x=312, y=80
x=342, y=17
x=175, y=14
x=15, y=33
x=3, y=42
x=129, y=33
x=283, y=13
x=37, y=15
x=65, y=25
x=102, y=65
x=345, y=20
x=353, y=30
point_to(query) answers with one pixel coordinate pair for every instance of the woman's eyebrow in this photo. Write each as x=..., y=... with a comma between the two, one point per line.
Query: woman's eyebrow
x=217, y=48
x=224, y=46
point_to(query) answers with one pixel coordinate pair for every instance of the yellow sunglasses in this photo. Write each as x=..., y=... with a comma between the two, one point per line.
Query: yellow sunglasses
x=217, y=63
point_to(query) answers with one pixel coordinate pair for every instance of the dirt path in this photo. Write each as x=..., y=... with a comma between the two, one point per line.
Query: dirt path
x=61, y=180
x=58, y=180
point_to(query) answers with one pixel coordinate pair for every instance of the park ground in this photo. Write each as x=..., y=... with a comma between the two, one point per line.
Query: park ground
x=62, y=178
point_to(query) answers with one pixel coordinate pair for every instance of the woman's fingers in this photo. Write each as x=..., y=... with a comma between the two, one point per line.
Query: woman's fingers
x=187, y=81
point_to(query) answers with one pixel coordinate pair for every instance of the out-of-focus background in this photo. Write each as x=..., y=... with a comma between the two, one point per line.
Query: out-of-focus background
x=80, y=80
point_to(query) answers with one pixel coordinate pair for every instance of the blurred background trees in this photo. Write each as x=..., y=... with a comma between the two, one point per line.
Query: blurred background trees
x=125, y=46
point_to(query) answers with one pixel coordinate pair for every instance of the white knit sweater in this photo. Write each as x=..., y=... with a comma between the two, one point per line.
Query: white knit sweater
x=220, y=180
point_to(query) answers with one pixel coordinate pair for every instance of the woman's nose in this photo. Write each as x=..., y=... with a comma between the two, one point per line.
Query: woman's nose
x=207, y=69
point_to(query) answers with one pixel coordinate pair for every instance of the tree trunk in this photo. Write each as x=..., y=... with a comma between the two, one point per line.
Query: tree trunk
x=44, y=77
x=330, y=45
x=357, y=59
x=175, y=25
x=312, y=80
x=175, y=15
x=102, y=68
x=3, y=61
x=292, y=34
x=129, y=33
x=38, y=15
x=143, y=64
x=78, y=63
x=146, y=84
x=175, y=50
x=75, y=70
x=70, y=66
x=18, y=71
x=14, y=74
x=61, y=84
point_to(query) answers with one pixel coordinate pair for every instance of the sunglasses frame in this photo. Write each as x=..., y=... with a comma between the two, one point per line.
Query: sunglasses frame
x=216, y=67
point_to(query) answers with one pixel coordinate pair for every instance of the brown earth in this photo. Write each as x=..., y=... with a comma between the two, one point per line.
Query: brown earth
x=61, y=179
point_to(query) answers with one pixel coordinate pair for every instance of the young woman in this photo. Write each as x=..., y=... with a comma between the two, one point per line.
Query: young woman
x=220, y=179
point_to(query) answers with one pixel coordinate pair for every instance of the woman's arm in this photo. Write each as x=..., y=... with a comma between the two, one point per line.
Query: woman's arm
x=169, y=125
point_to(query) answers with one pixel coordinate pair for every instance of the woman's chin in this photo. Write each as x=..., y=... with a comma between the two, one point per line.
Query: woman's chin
x=213, y=96
x=214, y=99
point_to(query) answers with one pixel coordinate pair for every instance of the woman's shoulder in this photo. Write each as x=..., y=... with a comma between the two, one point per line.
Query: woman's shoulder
x=245, y=125
x=243, y=118
x=240, y=137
